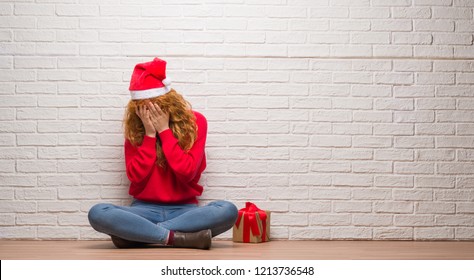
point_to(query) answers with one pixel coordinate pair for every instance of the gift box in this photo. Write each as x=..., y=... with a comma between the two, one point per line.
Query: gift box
x=252, y=225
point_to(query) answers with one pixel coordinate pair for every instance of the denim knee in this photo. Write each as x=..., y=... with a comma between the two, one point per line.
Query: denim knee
x=96, y=213
x=229, y=211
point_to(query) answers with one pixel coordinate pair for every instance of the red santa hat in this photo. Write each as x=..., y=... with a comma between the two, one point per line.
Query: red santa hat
x=149, y=80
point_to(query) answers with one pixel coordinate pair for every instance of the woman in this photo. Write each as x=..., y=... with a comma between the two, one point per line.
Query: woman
x=164, y=156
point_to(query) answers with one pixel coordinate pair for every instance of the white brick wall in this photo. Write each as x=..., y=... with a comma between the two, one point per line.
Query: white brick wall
x=346, y=119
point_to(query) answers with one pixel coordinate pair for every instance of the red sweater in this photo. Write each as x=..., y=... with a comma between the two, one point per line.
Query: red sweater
x=178, y=182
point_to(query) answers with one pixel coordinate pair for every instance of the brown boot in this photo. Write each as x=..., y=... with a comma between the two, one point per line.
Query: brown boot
x=197, y=240
x=125, y=244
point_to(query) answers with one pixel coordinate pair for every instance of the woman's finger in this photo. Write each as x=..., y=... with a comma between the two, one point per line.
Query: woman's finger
x=158, y=109
x=153, y=110
x=139, y=112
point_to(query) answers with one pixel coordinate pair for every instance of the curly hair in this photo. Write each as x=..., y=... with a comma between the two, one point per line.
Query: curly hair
x=182, y=122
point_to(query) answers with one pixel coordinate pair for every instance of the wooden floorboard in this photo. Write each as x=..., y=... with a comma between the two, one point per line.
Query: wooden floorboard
x=227, y=250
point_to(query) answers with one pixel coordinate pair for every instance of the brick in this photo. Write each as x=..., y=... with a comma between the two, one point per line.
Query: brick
x=371, y=142
x=58, y=101
x=58, y=180
x=463, y=207
x=217, y=24
x=285, y=166
x=455, y=91
x=434, y=182
x=308, y=25
x=435, y=208
x=309, y=153
x=19, y=232
x=57, y=233
x=412, y=66
x=464, y=155
x=350, y=25
x=326, y=194
x=352, y=207
x=289, y=219
x=37, y=140
x=435, y=155
x=371, y=91
x=434, y=51
x=416, y=221
x=392, y=51
x=413, y=195
x=37, y=166
x=329, y=12
x=36, y=114
x=411, y=13
x=393, y=207
x=370, y=220
x=413, y=168
x=452, y=39
x=7, y=220
x=310, y=180
x=413, y=91
x=464, y=78
x=464, y=233
x=439, y=233
x=413, y=142
x=58, y=206
x=77, y=35
x=18, y=207
x=393, y=233
x=78, y=193
x=393, y=78
x=246, y=194
x=35, y=194
x=351, y=129
x=73, y=220
x=393, y=129
x=360, y=154
x=351, y=233
x=330, y=220
x=259, y=180
x=369, y=12
x=16, y=153
x=394, y=181
x=331, y=166
x=392, y=25
x=79, y=114
x=295, y=193
x=464, y=182
x=435, y=129
x=454, y=195
x=395, y=154
x=455, y=142
x=7, y=140
x=371, y=167
x=351, y=51
x=57, y=126
x=414, y=117
x=435, y=78
x=434, y=25
x=309, y=233
x=289, y=140
x=77, y=166
x=371, y=193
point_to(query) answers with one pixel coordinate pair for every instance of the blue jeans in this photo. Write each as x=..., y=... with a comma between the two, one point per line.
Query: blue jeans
x=151, y=222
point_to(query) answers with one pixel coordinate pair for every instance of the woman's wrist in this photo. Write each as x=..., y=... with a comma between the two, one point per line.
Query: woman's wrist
x=163, y=129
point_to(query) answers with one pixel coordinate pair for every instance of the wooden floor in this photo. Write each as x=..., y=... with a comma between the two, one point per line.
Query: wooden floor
x=225, y=250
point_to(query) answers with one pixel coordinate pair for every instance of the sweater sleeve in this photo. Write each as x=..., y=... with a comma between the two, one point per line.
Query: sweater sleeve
x=140, y=160
x=185, y=164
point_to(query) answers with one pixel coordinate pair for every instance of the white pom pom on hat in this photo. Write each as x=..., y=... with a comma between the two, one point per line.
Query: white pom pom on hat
x=149, y=80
